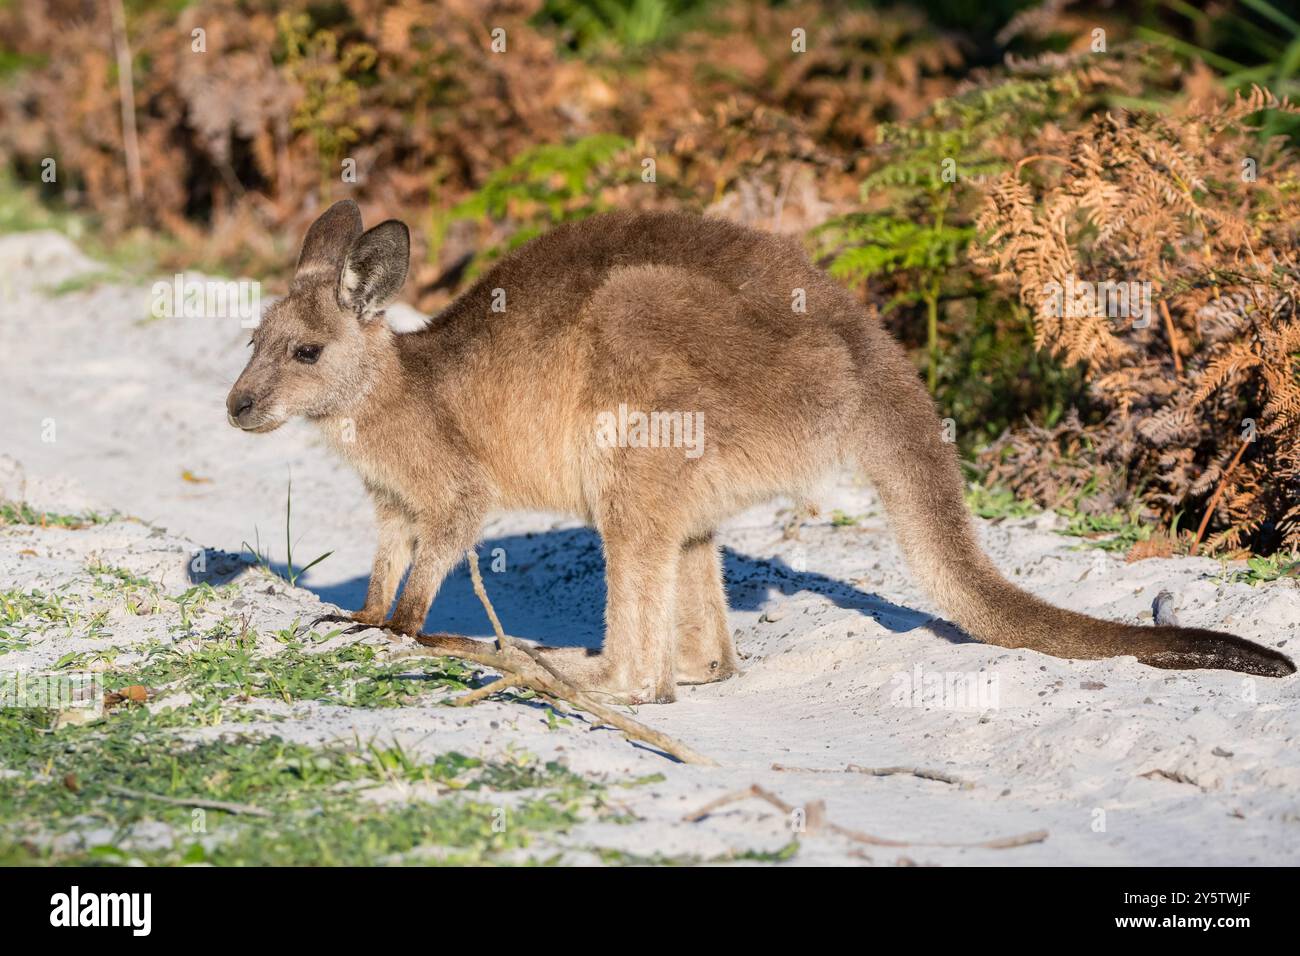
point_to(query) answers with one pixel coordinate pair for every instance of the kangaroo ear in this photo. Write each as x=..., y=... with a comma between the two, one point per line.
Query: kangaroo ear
x=375, y=268
x=329, y=239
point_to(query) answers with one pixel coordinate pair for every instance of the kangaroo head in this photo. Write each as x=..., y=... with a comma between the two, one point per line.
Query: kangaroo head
x=317, y=351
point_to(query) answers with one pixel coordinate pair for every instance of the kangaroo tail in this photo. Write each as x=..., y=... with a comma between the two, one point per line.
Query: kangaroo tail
x=917, y=476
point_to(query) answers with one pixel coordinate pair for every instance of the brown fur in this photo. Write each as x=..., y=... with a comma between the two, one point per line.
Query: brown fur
x=485, y=410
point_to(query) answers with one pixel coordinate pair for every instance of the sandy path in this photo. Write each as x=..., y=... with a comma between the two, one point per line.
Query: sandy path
x=835, y=630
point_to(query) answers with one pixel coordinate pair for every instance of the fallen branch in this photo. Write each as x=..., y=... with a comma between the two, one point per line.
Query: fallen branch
x=242, y=808
x=523, y=666
x=885, y=772
x=815, y=820
x=518, y=663
x=546, y=680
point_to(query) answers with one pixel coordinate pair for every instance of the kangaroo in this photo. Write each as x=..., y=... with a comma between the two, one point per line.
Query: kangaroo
x=504, y=401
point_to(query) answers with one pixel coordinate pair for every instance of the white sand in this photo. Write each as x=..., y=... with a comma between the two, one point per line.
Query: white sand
x=831, y=625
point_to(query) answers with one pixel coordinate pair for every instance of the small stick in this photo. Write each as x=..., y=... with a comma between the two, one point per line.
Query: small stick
x=911, y=771
x=1173, y=337
x=503, y=639
x=816, y=819
x=472, y=557
x=474, y=696
x=126, y=98
x=243, y=808
x=883, y=772
x=1218, y=493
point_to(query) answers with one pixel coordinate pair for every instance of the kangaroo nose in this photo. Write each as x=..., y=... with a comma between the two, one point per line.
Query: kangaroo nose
x=238, y=405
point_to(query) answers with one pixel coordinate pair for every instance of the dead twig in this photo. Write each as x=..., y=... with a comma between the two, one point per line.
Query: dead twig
x=486, y=691
x=503, y=639
x=885, y=772
x=1173, y=338
x=815, y=820
x=523, y=666
x=558, y=688
x=1218, y=493
x=1173, y=776
x=477, y=576
x=241, y=808
x=911, y=771
x=126, y=98
x=518, y=661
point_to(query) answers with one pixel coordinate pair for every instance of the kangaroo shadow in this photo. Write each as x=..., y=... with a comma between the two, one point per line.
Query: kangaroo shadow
x=550, y=587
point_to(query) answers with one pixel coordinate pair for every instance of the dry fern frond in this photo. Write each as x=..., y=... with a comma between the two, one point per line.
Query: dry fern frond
x=1168, y=202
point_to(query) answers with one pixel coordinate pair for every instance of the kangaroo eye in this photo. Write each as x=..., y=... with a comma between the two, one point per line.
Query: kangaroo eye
x=307, y=354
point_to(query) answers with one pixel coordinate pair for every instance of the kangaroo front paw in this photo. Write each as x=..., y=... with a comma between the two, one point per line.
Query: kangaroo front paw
x=356, y=623
x=360, y=620
x=332, y=618
x=369, y=617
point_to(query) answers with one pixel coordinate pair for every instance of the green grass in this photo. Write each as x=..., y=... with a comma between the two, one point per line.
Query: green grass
x=1260, y=570
x=207, y=769
x=623, y=27
x=1114, y=531
x=1108, y=531
x=72, y=780
x=21, y=210
x=291, y=574
x=21, y=513
x=84, y=281
x=1249, y=42
x=43, y=608
x=120, y=788
x=9, y=643
x=614, y=857
x=85, y=610
x=998, y=503
x=227, y=664
x=65, y=803
x=120, y=575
